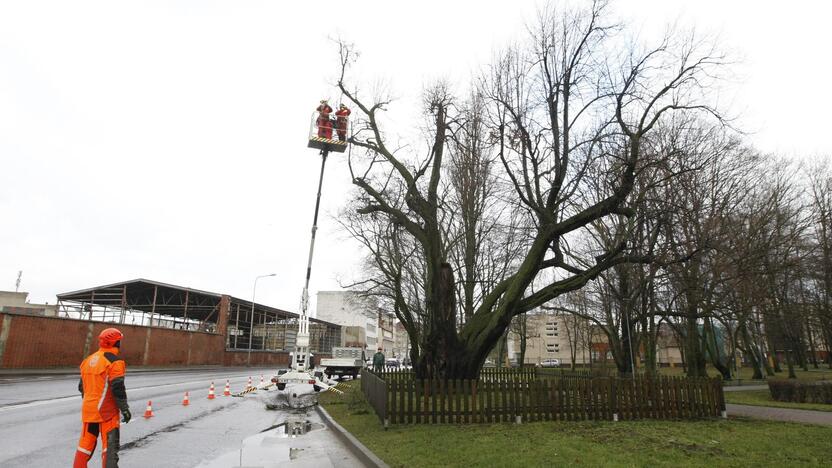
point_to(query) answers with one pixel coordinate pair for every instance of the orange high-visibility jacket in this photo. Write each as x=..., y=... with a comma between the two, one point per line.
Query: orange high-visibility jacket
x=102, y=385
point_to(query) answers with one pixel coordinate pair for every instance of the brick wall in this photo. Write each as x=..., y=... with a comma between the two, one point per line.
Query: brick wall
x=42, y=342
x=258, y=358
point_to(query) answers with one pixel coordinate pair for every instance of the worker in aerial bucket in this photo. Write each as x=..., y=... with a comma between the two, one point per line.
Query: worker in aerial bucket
x=104, y=397
x=324, y=124
x=341, y=117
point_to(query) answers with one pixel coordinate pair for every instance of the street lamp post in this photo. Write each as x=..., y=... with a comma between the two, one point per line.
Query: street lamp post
x=251, y=321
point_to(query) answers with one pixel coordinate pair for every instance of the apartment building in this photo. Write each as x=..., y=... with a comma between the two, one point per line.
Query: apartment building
x=357, y=315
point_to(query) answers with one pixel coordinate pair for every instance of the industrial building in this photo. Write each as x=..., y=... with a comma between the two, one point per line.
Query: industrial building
x=163, y=324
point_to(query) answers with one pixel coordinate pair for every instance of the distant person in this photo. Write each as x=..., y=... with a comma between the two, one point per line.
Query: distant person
x=341, y=118
x=378, y=361
x=102, y=388
x=324, y=124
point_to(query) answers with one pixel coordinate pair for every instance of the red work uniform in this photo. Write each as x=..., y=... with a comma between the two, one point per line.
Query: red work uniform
x=341, y=116
x=102, y=386
x=324, y=124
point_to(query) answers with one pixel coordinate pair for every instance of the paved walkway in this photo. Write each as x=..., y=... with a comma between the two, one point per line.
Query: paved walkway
x=823, y=418
x=742, y=388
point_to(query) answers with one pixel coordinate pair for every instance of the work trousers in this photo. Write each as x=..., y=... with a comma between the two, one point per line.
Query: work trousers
x=109, y=432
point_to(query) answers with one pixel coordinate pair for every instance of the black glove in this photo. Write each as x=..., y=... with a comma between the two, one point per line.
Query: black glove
x=125, y=414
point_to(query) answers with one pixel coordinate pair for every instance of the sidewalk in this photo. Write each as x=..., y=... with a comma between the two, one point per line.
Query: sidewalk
x=823, y=418
x=741, y=388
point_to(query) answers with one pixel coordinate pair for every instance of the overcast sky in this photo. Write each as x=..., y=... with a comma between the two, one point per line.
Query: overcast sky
x=167, y=140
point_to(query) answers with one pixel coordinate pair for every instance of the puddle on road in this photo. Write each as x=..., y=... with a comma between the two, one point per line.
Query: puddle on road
x=291, y=401
x=280, y=444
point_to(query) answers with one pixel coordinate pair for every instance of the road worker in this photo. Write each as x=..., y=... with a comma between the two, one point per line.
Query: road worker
x=102, y=388
x=341, y=116
x=324, y=124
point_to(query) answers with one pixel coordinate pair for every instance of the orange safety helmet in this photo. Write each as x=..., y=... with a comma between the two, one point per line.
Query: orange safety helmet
x=109, y=337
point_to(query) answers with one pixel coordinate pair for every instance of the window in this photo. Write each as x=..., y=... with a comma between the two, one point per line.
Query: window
x=371, y=327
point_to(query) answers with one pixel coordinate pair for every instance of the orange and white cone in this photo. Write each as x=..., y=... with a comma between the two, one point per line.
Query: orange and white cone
x=261, y=380
x=211, y=392
x=186, y=400
x=148, y=413
x=227, y=391
x=248, y=385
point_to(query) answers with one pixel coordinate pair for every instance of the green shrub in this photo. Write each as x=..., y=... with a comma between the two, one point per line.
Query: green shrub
x=800, y=391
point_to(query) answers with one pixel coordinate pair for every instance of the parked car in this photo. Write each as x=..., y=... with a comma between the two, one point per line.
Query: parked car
x=549, y=363
x=489, y=363
x=392, y=363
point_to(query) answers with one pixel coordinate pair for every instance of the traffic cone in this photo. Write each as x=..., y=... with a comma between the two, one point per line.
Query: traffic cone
x=211, y=392
x=227, y=391
x=261, y=380
x=248, y=385
x=186, y=400
x=148, y=413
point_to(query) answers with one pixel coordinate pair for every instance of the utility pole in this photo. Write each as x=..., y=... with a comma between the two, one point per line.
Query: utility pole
x=17, y=283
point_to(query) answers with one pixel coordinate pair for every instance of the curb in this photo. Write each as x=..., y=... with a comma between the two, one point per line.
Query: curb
x=357, y=448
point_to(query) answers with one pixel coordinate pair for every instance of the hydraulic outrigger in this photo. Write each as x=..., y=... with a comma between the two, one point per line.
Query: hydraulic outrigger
x=299, y=372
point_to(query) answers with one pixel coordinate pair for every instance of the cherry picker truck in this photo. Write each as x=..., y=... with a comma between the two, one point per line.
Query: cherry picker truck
x=299, y=372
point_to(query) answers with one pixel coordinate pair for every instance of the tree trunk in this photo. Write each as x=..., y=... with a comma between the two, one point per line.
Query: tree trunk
x=713, y=349
x=443, y=356
x=694, y=352
x=750, y=348
x=812, y=350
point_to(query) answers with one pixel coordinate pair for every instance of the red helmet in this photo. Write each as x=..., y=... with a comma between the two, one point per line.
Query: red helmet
x=109, y=337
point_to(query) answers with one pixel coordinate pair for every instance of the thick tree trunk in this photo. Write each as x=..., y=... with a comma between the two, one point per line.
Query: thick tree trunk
x=443, y=355
x=694, y=352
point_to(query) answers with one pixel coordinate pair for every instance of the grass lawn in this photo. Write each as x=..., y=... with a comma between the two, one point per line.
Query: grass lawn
x=736, y=442
x=763, y=398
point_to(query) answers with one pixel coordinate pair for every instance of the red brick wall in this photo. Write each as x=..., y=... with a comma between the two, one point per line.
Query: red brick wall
x=40, y=342
x=44, y=342
x=206, y=348
x=258, y=358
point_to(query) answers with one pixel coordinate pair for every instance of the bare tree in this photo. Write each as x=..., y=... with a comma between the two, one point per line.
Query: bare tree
x=572, y=103
x=820, y=178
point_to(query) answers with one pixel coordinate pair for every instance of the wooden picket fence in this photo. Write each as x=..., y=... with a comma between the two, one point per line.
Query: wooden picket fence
x=520, y=396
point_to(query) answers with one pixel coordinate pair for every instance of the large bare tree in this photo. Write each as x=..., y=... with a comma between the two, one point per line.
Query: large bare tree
x=576, y=102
